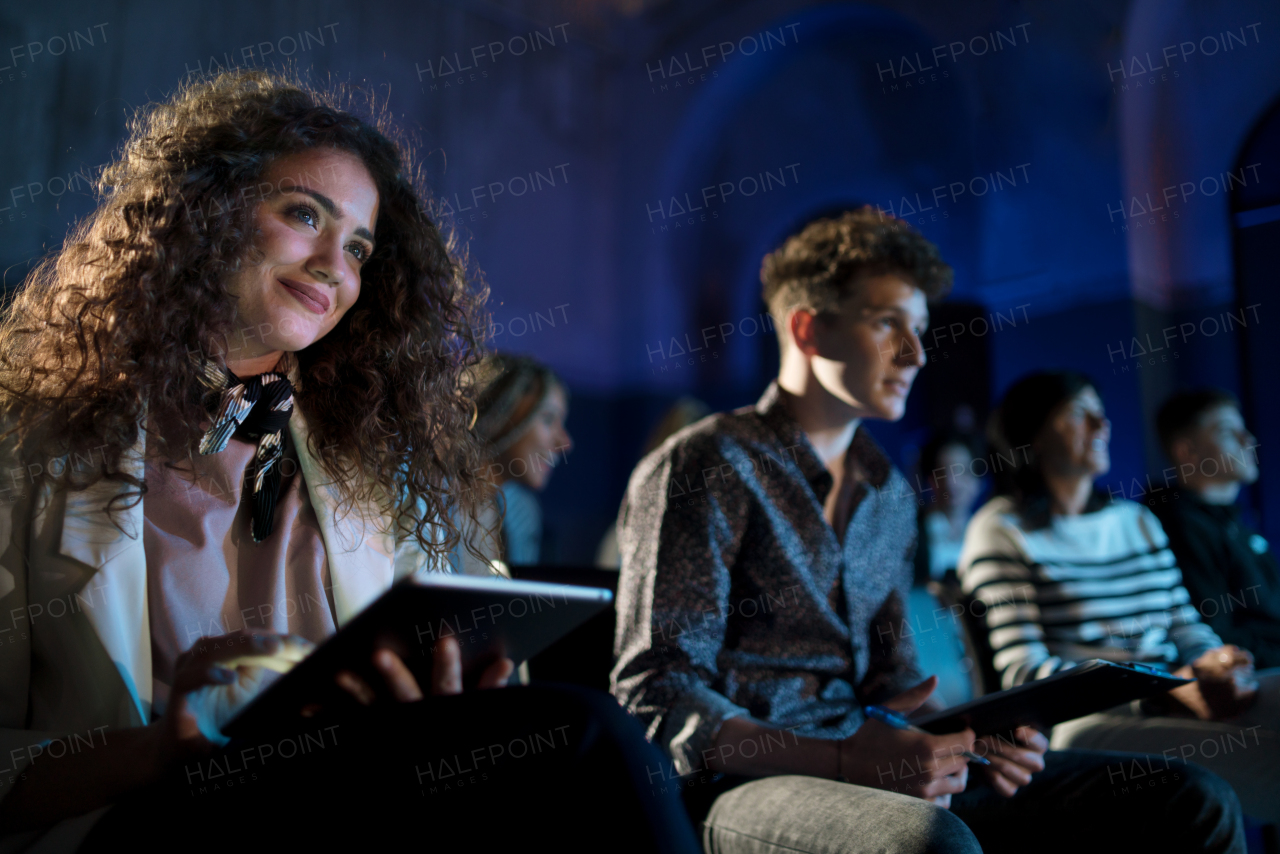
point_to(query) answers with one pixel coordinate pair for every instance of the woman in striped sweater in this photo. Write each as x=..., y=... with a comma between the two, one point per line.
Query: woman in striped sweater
x=1061, y=573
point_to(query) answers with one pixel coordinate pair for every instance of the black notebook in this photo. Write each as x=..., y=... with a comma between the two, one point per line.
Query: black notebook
x=1091, y=686
x=490, y=618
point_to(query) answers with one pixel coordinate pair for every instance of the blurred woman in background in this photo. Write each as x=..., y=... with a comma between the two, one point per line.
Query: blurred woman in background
x=951, y=487
x=521, y=411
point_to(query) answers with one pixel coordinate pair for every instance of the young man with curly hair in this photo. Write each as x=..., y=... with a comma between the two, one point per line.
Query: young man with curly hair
x=766, y=560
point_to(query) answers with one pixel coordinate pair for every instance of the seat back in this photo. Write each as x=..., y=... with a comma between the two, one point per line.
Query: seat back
x=968, y=614
x=939, y=644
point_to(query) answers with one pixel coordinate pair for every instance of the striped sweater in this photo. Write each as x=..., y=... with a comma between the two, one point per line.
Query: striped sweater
x=1097, y=585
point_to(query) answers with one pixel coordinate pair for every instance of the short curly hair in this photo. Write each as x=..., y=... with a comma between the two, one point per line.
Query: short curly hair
x=821, y=265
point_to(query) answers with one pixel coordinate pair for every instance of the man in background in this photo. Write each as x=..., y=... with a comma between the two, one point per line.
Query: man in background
x=1228, y=568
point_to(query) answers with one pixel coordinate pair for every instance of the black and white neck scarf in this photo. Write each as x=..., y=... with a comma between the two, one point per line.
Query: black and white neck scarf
x=254, y=409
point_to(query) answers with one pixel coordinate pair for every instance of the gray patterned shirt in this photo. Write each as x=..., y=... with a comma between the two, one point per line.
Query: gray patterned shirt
x=736, y=597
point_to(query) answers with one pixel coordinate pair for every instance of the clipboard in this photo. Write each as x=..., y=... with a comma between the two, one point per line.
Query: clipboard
x=1091, y=686
x=490, y=618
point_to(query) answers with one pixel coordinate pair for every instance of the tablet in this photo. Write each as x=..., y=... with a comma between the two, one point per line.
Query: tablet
x=1091, y=686
x=490, y=617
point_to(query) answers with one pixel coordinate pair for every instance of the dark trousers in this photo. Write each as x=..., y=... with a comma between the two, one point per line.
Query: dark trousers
x=1082, y=802
x=1095, y=801
x=554, y=767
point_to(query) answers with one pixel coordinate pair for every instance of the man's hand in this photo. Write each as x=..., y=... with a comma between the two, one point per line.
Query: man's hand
x=1225, y=684
x=925, y=766
x=1013, y=760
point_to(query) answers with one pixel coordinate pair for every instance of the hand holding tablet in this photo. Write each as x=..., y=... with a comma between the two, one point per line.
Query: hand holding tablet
x=1088, y=687
x=422, y=621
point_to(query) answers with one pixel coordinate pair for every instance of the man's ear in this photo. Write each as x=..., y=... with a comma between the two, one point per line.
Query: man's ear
x=1182, y=450
x=802, y=323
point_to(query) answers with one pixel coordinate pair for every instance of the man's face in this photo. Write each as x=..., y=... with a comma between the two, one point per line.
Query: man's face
x=1222, y=448
x=869, y=351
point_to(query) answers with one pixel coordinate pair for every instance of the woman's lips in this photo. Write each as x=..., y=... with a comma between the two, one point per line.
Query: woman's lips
x=312, y=299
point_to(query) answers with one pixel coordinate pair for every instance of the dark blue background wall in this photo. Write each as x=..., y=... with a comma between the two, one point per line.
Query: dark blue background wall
x=1032, y=141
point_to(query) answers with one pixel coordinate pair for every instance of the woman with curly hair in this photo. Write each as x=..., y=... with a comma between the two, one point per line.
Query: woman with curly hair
x=237, y=404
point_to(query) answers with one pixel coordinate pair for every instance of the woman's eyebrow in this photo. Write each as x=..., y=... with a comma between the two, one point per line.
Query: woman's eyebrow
x=329, y=207
x=325, y=202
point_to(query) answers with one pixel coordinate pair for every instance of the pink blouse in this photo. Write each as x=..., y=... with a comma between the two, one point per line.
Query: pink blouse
x=205, y=574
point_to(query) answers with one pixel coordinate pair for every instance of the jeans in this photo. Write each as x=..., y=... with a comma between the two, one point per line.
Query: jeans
x=555, y=767
x=1083, y=801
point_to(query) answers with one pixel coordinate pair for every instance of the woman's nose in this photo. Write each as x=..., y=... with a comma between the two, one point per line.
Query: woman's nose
x=326, y=262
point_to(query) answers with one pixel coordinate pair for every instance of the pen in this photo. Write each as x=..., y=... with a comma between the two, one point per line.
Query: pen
x=888, y=717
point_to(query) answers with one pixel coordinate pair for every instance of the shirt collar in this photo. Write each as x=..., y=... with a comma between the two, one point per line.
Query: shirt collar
x=772, y=409
x=1220, y=510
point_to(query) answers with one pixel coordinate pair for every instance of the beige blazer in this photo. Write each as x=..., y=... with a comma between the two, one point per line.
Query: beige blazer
x=75, y=640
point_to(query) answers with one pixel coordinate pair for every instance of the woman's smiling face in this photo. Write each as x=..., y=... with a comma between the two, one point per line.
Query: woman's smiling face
x=314, y=230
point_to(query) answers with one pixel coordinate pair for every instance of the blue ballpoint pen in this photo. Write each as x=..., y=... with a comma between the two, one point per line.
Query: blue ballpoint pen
x=888, y=717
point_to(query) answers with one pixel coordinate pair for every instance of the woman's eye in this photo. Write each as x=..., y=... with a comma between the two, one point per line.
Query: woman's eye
x=358, y=250
x=305, y=213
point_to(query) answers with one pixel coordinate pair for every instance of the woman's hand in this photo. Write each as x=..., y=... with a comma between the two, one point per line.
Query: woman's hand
x=1013, y=763
x=220, y=675
x=1225, y=684
x=212, y=681
x=446, y=674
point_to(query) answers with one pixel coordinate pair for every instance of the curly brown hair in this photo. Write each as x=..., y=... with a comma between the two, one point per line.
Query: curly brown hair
x=99, y=336
x=821, y=265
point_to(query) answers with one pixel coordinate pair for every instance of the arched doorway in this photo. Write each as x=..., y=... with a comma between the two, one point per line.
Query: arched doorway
x=810, y=125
